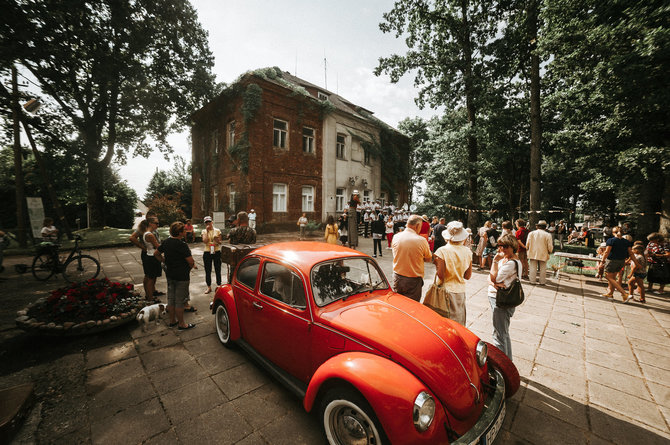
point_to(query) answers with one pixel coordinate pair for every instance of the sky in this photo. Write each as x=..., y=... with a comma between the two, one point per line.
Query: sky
x=296, y=36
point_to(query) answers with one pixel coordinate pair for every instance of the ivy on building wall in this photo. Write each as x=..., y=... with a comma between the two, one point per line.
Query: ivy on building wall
x=252, y=99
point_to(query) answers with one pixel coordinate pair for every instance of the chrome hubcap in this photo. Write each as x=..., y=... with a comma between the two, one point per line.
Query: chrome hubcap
x=351, y=427
x=222, y=324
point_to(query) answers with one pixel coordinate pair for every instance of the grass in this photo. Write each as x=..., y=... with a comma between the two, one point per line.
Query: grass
x=92, y=239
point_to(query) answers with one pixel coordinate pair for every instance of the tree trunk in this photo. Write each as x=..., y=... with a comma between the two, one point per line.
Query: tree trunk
x=473, y=195
x=535, y=118
x=96, y=194
x=650, y=203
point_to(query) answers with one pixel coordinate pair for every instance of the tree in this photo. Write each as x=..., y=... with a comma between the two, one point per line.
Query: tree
x=608, y=90
x=119, y=71
x=447, y=49
x=175, y=182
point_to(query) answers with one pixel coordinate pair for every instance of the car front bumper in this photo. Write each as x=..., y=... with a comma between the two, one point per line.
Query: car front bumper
x=490, y=422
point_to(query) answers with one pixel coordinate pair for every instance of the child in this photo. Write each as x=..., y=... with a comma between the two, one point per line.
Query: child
x=638, y=273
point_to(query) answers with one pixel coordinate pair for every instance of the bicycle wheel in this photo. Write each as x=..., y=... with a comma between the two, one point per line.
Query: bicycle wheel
x=81, y=268
x=44, y=266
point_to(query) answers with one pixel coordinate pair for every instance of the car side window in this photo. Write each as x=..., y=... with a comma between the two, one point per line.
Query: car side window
x=282, y=284
x=248, y=271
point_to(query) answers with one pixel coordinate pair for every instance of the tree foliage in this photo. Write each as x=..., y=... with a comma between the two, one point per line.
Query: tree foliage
x=120, y=73
x=175, y=183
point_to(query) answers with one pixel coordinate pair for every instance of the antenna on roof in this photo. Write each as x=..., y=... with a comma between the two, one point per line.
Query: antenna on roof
x=325, y=71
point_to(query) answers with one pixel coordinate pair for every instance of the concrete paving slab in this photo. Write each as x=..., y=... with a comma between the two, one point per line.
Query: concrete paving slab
x=557, y=401
x=265, y=404
x=202, y=345
x=240, y=380
x=114, y=399
x=175, y=377
x=191, y=400
x=221, y=425
x=134, y=424
x=216, y=362
x=562, y=363
x=568, y=385
x=295, y=428
x=618, y=380
x=165, y=358
x=109, y=375
x=619, y=429
x=110, y=354
x=537, y=427
x=626, y=404
x=567, y=348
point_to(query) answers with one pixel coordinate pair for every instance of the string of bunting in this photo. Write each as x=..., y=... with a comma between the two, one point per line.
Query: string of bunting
x=462, y=209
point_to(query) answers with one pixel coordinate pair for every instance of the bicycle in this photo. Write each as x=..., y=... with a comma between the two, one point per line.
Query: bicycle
x=76, y=267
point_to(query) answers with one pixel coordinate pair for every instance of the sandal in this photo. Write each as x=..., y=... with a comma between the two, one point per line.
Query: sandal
x=607, y=295
x=209, y=290
x=188, y=326
x=190, y=309
x=172, y=325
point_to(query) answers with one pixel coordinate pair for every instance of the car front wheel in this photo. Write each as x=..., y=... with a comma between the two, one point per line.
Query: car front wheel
x=348, y=419
x=222, y=320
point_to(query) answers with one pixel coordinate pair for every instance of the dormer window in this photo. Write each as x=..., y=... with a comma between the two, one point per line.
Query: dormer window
x=322, y=96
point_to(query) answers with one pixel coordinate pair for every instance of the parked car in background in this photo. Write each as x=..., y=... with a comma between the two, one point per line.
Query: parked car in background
x=377, y=367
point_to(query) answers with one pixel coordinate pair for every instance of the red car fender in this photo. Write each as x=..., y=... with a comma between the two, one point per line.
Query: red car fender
x=390, y=390
x=224, y=295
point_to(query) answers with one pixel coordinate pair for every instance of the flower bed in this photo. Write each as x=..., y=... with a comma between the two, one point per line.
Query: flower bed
x=82, y=308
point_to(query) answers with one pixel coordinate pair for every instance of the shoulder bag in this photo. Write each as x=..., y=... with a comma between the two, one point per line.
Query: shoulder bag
x=436, y=299
x=513, y=295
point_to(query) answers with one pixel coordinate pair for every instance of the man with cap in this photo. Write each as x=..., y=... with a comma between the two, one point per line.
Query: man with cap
x=252, y=219
x=454, y=266
x=539, y=245
x=410, y=251
x=211, y=238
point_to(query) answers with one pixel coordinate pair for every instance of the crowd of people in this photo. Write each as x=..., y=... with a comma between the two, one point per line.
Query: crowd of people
x=174, y=257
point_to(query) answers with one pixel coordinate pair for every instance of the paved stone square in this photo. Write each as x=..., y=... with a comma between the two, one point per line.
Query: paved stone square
x=593, y=371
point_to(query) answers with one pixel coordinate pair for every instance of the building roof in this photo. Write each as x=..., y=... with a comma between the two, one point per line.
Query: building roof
x=287, y=80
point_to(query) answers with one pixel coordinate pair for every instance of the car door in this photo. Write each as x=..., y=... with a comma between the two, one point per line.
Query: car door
x=244, y=288
x=280, y=320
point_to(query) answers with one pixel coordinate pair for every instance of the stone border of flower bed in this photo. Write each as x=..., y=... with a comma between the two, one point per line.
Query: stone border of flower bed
x=28, y=324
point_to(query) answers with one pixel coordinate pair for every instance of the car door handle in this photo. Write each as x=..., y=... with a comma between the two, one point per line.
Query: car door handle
x=257, y=305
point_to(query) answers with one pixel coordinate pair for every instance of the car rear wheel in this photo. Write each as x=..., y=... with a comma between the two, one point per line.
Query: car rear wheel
x=510, y=374
x=222, y=321
x=348, y=419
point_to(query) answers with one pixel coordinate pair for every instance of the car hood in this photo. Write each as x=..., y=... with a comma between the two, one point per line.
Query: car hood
x=419, y=339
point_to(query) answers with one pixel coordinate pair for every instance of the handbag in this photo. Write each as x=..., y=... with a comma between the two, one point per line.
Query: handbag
x=436, y=299
x=513, y=295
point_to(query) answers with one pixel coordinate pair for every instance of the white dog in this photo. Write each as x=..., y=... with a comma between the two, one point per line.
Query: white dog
x=150, y=313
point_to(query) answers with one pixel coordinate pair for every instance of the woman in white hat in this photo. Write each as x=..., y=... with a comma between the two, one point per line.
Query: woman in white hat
x=454, y=266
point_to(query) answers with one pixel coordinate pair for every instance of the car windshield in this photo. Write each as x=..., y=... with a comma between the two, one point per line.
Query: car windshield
x=342, y=278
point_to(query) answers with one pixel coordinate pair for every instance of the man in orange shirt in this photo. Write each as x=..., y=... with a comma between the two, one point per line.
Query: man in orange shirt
x=410, y=251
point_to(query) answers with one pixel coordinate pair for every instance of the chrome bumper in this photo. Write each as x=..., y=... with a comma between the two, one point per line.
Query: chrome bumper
x=489, y=424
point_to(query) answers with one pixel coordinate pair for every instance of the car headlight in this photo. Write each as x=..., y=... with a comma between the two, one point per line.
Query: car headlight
x=424, y=411
x=482, y=353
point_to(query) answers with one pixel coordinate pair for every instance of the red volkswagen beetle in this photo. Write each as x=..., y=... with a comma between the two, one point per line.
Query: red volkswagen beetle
x=378, y=367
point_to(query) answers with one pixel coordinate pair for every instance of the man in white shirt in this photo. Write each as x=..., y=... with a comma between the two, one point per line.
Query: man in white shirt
x=252, y=219
x=539, y=245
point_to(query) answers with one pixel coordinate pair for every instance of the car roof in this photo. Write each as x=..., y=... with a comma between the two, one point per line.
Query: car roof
x=305, y=254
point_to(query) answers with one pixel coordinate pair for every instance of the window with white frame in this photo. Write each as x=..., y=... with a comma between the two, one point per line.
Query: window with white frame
x=308, y=140
x=280, y=132
x=231, y=197
x=339, y=200
x=366, y=195
x=382, y=198
x=340, y=146
x=279, y=195
x=231, y=134
x=307, y=198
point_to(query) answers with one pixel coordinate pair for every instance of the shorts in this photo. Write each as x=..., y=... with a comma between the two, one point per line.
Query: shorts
x=151, y=266
x=642, y=275
x=490, y=251
x=614, y=266
x=177, y=293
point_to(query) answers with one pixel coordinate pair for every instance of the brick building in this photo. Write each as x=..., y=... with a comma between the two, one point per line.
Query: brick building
x=283, y=146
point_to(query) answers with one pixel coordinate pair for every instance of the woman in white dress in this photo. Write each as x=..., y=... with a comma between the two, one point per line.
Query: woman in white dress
x=482, y=242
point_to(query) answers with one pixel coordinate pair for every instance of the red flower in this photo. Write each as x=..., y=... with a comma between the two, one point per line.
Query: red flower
x=103, y=310
x=71, y=298
x=101, y=295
